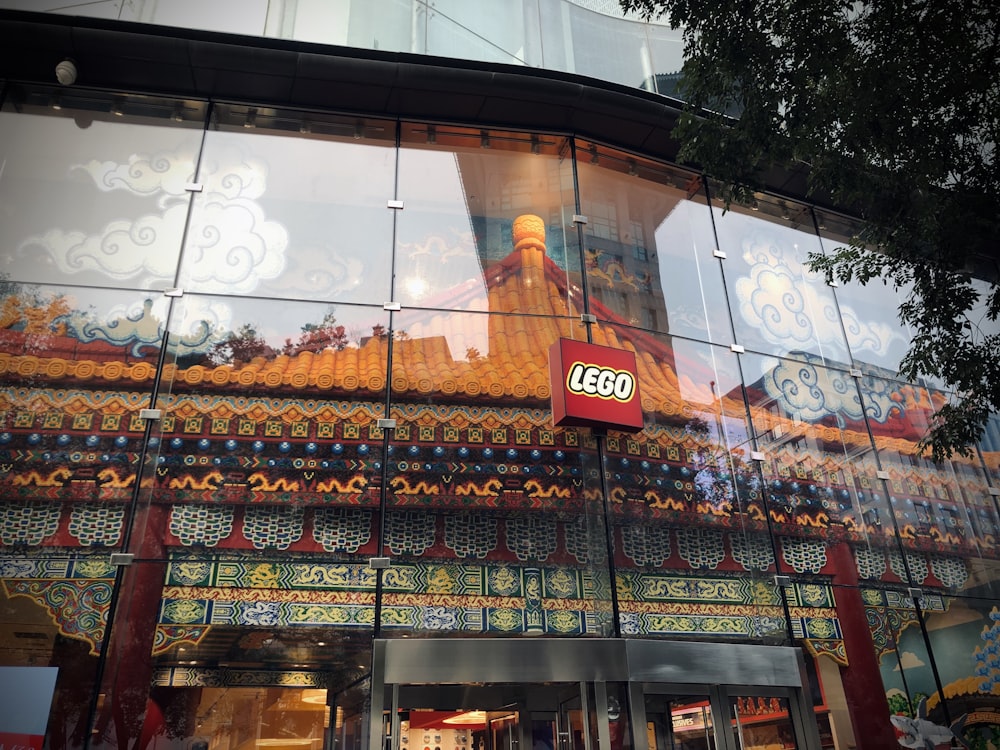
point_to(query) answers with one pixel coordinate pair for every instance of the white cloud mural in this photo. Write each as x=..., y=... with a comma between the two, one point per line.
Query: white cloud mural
x=781, y=299
x=158, y=174
x=811, y=392
x=123, y=250
x=231, y=245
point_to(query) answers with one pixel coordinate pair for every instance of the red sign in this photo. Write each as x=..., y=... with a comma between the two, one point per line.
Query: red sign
x=594, y=386
x=9, y=741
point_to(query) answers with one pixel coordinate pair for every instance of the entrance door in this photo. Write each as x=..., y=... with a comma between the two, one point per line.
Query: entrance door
x=582, y=694
x=486, y=717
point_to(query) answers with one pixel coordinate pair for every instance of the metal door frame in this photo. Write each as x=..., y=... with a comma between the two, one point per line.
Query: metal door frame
x=716, y=668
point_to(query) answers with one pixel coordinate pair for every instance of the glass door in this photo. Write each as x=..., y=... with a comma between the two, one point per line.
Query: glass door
x=503, y=729
x=487, y=717
x=573, y=729
x=762, y=722
x=680, y=723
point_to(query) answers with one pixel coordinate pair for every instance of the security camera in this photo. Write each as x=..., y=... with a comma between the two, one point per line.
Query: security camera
x=66, y=72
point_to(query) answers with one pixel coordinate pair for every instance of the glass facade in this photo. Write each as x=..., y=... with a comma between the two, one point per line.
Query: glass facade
x=275, y=387
x=572, y=36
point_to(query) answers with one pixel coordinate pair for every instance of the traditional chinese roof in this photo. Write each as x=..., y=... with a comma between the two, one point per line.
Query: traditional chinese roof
x=527, y=283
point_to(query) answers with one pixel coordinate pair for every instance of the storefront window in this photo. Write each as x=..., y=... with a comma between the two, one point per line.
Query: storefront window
x=495, y=521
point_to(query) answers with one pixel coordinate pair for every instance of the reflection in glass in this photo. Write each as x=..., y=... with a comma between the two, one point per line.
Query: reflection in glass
x=946, y=517
x=91, y=195
x=78, y=366
x=488, y=503
x=762, y=721
x=281, y=212
x=778, y=305
x=464, y=191
x=874, y=333
x=649, y=245
x=686, y=501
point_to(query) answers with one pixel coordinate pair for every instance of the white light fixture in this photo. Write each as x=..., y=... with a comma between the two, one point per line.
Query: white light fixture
x=469, y=717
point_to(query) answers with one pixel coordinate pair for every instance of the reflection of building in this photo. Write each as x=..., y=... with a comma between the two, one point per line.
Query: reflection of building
x=276, y=437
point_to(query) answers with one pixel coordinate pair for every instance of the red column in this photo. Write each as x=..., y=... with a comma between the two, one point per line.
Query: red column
x=862, y=681
x=129, y=666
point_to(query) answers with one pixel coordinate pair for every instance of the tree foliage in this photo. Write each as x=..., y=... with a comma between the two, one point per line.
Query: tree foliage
x=893, y=110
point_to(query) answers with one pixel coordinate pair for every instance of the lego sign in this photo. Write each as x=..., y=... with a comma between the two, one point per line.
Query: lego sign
x=594, y=386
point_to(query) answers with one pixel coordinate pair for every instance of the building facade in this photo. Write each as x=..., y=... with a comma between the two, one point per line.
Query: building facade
x=278, y=459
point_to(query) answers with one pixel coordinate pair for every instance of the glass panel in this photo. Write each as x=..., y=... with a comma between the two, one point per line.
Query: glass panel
x=284, y=212
x=779, y=306
x=686, y=500
x=77, y=365
x=92, y=188
x=989, y=448
x=579, y=40
x=649, y=244
x=353, y=707
x=962, y=634
x=679, y=723
x=495, y=521
x=762, y=723
x=491, y=32
x=870, y=315
x=666, y=53
x=256, y=530
x=485, y=211
x=819, y=465
x=947, y=520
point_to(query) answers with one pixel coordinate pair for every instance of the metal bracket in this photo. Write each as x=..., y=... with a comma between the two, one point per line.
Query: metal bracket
x=394, y=204
x=122, y=559
x=588, y=318
x=757, y=456
x=387, y=424
x=720, y=254
x=782, y=581
x=915, y=594
x=379, y=563
x=995, y=491
x=194, y=187
x=737, y=348
x=882, y=474
x=856, y=373
x=173, y=292
x=150, y=413
x=579, y=219
x=392, y=307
